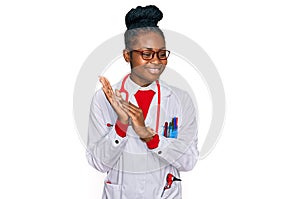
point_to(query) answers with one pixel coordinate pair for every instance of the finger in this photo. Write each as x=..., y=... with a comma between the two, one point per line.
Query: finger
x=137, y=111
x=107, y=95
x=134, y=106
x=124, y=103
x=130, y=108
x=118, y=99
x=107, y=84
x=135, y=116
x=104, y=81
x=118, y=94
x=108, y=88
x=130, y=114
x=107, y=91
x=126, y=108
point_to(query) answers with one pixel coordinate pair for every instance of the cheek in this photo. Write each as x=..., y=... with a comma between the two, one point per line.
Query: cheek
x=137, y=61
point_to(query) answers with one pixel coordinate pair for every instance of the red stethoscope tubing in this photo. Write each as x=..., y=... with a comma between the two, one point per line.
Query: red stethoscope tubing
x=123, y=90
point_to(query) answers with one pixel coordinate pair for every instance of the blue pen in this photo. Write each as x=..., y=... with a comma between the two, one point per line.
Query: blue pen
x=169, y=131
x=175, y=128
x=174, y=123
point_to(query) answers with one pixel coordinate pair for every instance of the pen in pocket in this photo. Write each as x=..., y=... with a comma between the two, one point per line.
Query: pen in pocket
x=170, y=129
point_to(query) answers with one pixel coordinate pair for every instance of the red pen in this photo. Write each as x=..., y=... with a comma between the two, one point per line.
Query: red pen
x=166, y=129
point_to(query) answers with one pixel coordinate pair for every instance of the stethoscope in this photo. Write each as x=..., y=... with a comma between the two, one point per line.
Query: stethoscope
x=123, y=90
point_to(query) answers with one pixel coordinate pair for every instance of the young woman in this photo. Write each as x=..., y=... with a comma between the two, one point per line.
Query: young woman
x=142, y=132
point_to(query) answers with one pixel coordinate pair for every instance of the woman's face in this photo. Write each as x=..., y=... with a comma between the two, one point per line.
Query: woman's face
x=144, y=72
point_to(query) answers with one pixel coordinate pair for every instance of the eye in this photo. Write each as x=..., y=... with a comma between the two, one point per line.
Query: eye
x=147, y=53
x=162, y=53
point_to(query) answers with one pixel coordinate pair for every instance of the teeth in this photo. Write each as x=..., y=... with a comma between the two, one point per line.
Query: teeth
x=154, y=70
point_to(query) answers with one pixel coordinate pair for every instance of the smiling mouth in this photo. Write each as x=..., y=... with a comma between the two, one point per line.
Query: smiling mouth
x=154, y=70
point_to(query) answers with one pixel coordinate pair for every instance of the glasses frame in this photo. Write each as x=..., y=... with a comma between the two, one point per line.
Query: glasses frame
x=152, y=54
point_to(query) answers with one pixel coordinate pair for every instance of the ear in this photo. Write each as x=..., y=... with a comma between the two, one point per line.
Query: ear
x=126, y=55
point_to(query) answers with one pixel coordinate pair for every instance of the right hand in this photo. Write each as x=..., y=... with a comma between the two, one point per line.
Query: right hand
x=115, y=99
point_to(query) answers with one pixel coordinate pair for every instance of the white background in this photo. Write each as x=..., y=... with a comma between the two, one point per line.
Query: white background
x=254, y=45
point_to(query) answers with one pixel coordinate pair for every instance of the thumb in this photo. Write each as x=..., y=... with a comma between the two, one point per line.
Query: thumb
x=118, y=93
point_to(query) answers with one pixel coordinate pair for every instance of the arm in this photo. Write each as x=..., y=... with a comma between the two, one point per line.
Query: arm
x=106, y=143
x=182, y=152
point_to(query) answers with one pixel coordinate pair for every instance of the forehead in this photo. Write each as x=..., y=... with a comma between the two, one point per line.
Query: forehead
x=149, y=40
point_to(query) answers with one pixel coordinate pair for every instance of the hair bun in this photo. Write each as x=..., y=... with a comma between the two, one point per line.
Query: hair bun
x=139, y=17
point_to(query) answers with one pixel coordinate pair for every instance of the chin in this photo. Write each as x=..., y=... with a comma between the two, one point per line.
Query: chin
x=153, y=77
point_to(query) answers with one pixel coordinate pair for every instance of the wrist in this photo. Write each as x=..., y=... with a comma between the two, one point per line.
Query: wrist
x=123, y=121
x=153, y=142
x=147, y=139
x=148, y=135
x=121, y=128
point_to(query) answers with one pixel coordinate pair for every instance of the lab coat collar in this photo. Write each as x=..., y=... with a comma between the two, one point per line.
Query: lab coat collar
x=132, y=87
x=166, y=90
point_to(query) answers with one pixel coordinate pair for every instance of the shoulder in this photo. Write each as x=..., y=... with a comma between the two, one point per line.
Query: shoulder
x=173, y=91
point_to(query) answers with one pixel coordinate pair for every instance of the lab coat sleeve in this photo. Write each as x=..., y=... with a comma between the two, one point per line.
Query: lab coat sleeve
x=104, y=146
x=182, y=153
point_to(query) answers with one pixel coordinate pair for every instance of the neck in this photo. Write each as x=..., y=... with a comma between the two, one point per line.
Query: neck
x=138, y=81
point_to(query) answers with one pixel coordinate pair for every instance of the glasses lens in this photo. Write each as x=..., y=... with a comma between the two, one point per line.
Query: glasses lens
x=147, y=54
x=163, y=54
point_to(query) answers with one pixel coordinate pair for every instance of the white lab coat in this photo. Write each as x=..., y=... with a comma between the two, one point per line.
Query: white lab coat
x=133, y=170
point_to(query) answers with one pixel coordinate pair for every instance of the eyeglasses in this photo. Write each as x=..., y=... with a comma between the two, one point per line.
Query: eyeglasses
x=149, y=54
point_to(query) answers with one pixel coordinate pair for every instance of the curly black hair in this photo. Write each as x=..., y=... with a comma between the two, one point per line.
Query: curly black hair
x=141, y=20
x=139, y=17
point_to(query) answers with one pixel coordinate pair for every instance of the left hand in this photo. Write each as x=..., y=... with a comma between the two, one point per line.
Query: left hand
x=137, y=118
x=114, y=99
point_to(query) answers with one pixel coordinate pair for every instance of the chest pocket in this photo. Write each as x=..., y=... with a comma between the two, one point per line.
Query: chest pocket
x=170, y=127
